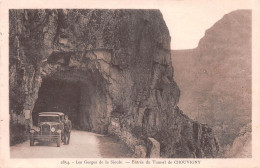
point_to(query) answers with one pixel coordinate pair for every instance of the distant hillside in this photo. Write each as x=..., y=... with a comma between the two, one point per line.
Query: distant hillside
x=215, y=77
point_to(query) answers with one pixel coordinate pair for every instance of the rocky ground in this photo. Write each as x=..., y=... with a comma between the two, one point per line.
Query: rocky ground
x=82, y=145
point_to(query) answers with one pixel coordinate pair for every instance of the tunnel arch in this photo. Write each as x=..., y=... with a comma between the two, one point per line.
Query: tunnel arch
x=74, y=83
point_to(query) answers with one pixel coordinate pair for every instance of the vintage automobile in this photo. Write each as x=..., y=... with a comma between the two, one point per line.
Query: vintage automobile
x=50, y=128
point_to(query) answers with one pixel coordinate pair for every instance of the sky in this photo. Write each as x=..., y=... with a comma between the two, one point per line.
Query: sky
x=188, y=20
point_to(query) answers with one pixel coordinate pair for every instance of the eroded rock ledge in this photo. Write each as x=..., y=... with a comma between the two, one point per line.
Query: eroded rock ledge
x=121, y=62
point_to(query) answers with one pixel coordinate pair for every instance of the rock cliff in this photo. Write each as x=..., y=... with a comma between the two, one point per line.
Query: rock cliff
x=242, y=145
x=217, y=89
x=110, y=71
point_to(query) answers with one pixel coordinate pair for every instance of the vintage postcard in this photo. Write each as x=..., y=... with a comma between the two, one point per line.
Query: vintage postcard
x=130, y=84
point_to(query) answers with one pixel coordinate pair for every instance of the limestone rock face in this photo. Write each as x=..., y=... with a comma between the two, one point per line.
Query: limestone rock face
x=140, y=151
x=154, y=148
x=113, y=70
x=242, y=145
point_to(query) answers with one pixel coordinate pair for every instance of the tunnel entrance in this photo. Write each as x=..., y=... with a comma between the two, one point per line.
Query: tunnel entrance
x=80, y=95
x=59, y=96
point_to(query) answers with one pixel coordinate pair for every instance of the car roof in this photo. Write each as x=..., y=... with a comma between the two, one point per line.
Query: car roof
x=51, y=113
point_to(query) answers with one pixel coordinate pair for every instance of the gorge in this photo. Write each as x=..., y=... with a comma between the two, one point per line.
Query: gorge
x=110, y=71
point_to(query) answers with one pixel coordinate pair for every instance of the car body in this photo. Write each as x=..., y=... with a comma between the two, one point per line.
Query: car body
x=50, y=128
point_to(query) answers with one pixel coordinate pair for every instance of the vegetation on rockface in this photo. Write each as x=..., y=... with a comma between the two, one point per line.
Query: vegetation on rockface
x=215, y=78
x=18, y=133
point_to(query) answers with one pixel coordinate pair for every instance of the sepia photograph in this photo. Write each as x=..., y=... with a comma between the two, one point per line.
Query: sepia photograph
x=130, y=83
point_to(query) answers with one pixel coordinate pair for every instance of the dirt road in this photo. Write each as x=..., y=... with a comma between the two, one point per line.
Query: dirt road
x=82, y=145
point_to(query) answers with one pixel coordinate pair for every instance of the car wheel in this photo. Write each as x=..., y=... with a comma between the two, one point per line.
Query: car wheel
x=59, y=141
x=31, y=141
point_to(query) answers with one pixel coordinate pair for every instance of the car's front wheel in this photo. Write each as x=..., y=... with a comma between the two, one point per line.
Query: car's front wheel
x=31, y=141
x=59, y=141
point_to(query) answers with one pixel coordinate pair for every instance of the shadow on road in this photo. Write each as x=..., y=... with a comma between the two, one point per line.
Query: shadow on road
x=82, y=145
x=47, y=144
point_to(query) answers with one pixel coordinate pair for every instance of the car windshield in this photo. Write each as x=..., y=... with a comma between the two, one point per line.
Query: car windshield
x=49, y=119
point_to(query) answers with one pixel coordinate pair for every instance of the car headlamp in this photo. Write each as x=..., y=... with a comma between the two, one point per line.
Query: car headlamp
x=52, y=129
